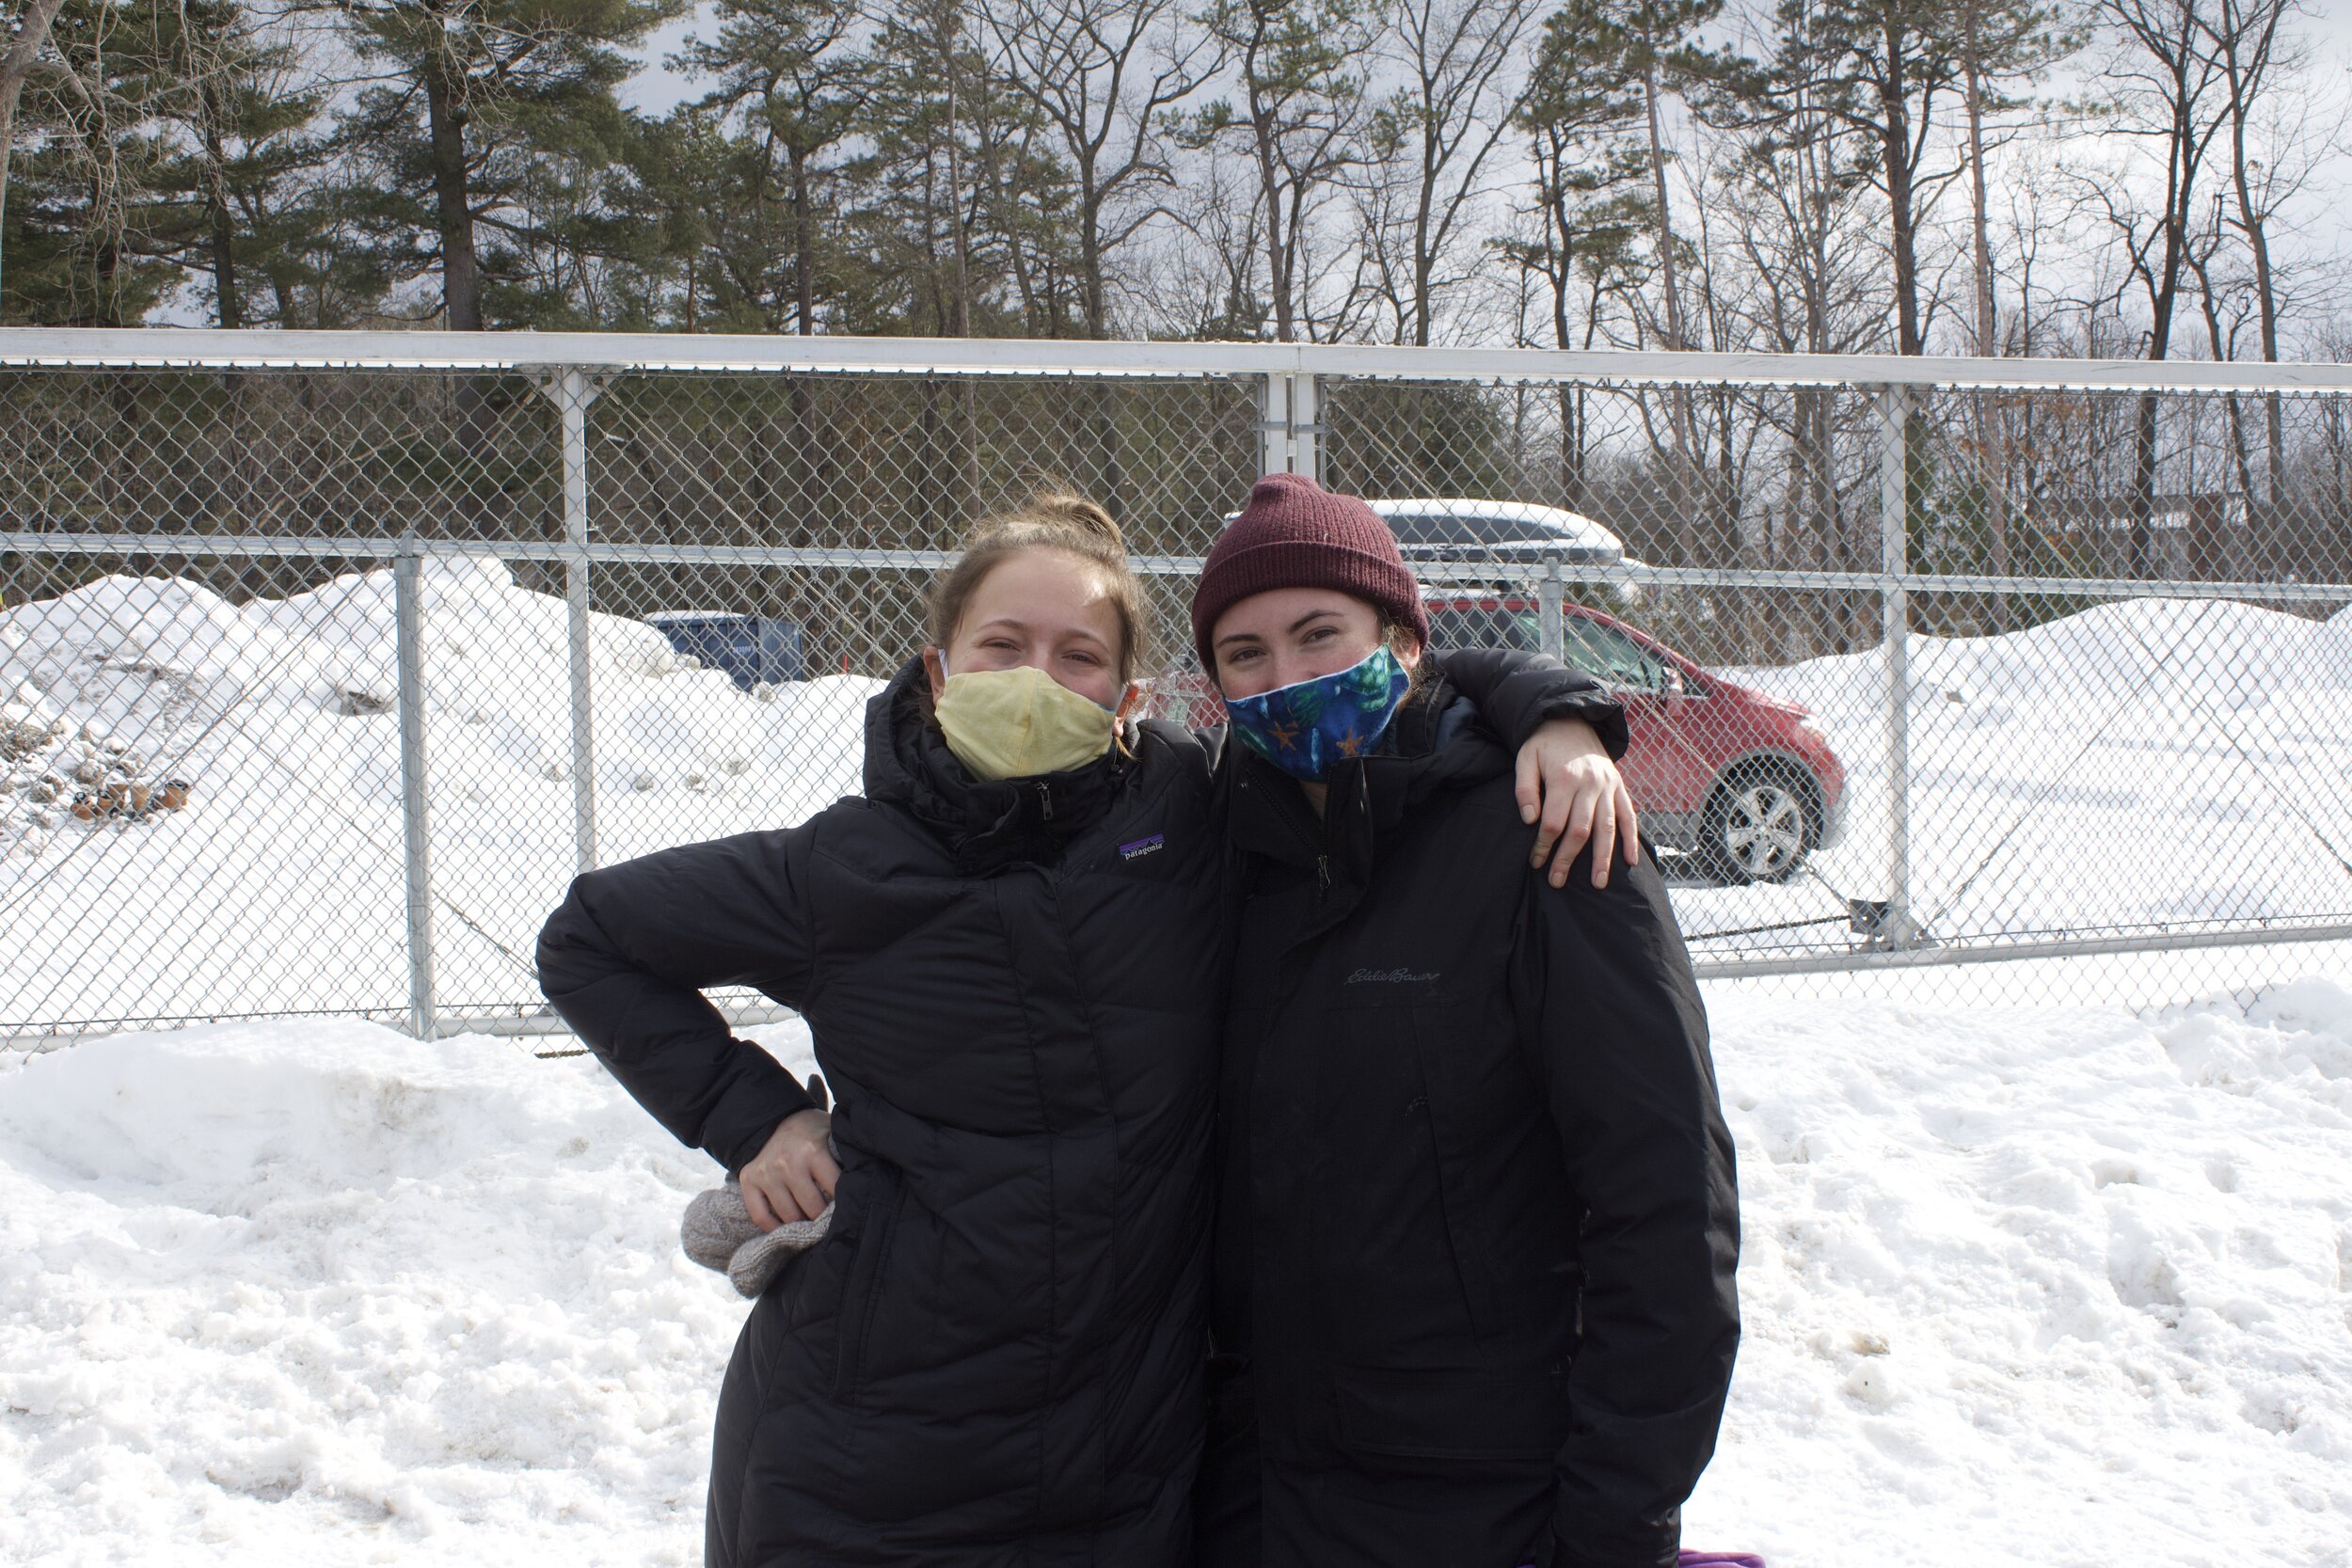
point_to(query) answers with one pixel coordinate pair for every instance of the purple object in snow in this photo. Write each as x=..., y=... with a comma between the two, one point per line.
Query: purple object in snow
x=1689, y=1559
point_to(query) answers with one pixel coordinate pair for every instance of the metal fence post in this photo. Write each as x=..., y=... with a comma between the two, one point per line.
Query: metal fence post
x=1274, y=423
x=1550, y=601
x=409, y=637
x=573, y=392
x=1896, y=928
x=1288, y=426
x=1306, y=426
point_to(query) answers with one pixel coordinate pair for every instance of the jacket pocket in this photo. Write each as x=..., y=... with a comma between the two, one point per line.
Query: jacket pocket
x=1462, y=1196
x=1450, y=1414
x=868, y=1271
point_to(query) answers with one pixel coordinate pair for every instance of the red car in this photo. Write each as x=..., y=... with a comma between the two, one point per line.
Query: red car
x=1744, y=783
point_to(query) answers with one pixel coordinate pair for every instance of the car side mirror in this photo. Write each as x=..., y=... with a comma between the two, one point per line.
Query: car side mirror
x=1673, y=685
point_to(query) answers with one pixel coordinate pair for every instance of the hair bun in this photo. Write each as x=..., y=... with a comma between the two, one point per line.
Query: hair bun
x=1042, y=514
x=1075, y=512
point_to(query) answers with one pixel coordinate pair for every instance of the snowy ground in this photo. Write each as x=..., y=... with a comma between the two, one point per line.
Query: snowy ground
x=2053, y=1288
x=2145, y=764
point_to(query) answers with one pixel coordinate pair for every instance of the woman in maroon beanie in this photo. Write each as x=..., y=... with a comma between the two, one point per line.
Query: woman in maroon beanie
x=1473, y=1293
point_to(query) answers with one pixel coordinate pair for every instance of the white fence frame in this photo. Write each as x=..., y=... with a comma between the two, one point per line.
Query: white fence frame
x=569, y=367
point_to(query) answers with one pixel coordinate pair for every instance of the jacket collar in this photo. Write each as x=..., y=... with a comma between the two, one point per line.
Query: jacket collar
x=1432, y=748
x=986, y=824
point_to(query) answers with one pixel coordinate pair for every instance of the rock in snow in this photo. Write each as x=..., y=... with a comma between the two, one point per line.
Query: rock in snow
x=2032, y=1286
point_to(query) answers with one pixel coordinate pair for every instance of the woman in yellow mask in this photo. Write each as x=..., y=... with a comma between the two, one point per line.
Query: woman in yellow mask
x=1012, y=953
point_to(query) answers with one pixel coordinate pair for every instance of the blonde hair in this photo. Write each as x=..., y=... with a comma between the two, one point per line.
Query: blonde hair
x=1052, y=518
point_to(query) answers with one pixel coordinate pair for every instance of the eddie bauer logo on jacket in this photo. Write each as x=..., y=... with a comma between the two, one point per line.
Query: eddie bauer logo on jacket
x=1386, y=976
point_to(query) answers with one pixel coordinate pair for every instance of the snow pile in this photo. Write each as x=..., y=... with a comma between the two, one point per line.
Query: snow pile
x=2149, y=764
x=282, y=887
x=2032, y=1288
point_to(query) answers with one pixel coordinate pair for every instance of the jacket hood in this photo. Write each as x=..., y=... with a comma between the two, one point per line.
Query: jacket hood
x=988, y=823
x=1435, y=746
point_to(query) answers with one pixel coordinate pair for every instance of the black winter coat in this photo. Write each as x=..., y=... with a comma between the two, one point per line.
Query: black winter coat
x=1015, y=991
x=1461, y=1109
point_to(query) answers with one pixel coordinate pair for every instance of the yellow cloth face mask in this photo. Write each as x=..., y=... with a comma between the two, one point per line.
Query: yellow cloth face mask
x=1018, y=724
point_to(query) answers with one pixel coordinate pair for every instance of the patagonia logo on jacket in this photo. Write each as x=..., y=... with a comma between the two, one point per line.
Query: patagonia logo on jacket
x=1142, y=846
x=1388, y=976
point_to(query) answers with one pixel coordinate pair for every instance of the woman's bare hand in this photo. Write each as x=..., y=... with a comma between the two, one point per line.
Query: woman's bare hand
x=1570, y=789
x=793, y=1175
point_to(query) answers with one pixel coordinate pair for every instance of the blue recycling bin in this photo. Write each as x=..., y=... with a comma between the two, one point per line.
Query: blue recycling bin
x=750, y=648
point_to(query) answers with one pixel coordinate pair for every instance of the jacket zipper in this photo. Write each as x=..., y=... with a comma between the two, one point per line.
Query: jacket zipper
x=1316, y=831
x=1046, y=800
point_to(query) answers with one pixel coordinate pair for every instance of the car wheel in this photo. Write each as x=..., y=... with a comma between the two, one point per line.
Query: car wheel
x=1761, y=825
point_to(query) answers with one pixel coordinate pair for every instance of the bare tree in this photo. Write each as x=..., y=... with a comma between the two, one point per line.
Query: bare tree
x=1440, y=127
x=2242, y=37
x=2000, y=40
x=1299, y=121
x=32, y=32
x=2171, y=99
x=1105, y=75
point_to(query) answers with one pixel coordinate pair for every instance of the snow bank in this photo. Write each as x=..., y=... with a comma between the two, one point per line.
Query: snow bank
x=280, y=887
x=2152, y=763
x=2042, y=1288
x=2047, y=1289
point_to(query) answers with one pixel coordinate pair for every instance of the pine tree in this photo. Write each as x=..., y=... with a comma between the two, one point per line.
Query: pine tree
x=247, y=175
x=495, y=105
x=83, y=245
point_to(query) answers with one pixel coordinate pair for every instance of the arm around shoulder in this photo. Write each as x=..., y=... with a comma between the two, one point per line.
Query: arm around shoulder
x=1518, y=693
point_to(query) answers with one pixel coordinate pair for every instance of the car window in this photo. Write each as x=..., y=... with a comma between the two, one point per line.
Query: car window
x=1512, y=529
x=1612, y=657
x=1453, y=627
x=1427, y=527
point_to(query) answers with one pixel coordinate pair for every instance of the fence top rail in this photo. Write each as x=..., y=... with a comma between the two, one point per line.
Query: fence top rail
x=1480, y=577
x=200, y=348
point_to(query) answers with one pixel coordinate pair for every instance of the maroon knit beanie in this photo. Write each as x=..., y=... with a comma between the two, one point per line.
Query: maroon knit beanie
x=1293, y=533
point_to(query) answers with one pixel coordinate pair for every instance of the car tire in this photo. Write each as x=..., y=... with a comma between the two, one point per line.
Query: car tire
x=1761, y=823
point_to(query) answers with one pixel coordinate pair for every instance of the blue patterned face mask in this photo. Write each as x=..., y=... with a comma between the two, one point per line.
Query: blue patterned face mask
x=1307, y=729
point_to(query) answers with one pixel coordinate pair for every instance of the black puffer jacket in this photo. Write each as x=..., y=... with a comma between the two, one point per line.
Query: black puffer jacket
x=1016, y=991
x=1460, y=1107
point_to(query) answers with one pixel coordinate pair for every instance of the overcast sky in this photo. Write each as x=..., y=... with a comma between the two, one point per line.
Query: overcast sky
x=656, y=89
x=2323, y=218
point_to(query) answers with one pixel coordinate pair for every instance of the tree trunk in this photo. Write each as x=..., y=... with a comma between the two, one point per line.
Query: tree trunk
x=461, y=271
x=1278, y=264
x=1095, y=297
x=1895, y=149
x=1678, y=486
x=803, y=243
x=1991, y=457
x=2243, y=83
x=14, y=68
x=229, y=303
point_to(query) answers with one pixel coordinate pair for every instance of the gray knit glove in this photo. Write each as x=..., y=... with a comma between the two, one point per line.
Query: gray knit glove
x=718, y=1233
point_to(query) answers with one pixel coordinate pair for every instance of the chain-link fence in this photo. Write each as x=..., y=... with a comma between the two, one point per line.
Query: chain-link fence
x=327, y=660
